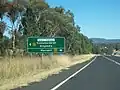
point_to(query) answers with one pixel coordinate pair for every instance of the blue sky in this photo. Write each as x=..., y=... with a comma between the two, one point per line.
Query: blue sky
x=97, y=18
x=9, y=24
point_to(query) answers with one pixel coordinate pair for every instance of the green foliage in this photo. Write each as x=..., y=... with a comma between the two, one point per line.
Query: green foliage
x=106, y=48
x=2, y=29
x=41, y=20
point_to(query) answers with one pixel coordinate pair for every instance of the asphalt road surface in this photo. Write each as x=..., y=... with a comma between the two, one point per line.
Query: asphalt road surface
x=102, y=73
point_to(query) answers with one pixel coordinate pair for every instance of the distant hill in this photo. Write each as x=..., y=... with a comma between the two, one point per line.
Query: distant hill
x=102, y=40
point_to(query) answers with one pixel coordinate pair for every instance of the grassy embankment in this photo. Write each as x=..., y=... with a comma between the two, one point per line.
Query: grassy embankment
x=18, y=72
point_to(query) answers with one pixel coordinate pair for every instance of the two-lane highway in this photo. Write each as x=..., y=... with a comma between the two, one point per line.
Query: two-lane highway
x=101, y=74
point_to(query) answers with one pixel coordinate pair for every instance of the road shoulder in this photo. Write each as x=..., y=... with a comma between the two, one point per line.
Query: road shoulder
x=53, y=80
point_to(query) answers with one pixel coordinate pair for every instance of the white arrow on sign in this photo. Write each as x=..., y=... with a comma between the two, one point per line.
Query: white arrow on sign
x=60, y=49
x=30, y=44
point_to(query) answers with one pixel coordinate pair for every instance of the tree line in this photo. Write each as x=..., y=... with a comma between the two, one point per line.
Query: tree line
x=106, y=48
x=36, y=18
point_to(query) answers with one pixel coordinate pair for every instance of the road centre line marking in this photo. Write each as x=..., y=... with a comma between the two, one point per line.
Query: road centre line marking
x=112, y=60
x=64, y=81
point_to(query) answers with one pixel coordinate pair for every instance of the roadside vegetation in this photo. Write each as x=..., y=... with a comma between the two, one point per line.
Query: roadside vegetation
x=105, y=48
x=37, y=18
x=19, y=72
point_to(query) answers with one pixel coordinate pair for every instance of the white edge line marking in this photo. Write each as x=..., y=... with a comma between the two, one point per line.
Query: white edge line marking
x=60, y=84
x=112, y=60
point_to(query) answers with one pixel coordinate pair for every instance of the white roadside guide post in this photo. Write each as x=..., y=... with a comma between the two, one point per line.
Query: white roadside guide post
x=30, y=53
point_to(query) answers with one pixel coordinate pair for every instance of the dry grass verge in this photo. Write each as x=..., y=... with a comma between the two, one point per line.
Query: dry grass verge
x=20, y=71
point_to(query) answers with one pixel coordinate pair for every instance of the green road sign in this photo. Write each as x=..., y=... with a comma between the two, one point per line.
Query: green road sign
x=46, y=45
x=10, y=0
